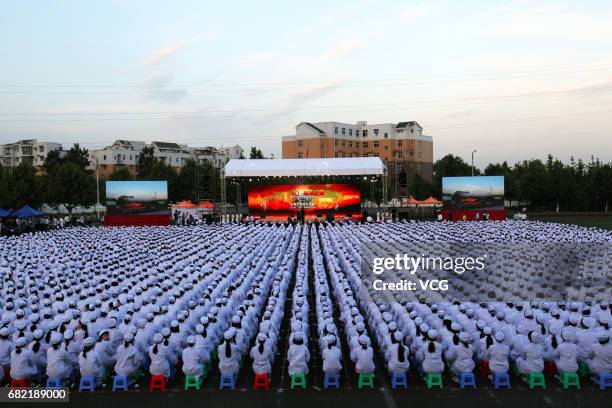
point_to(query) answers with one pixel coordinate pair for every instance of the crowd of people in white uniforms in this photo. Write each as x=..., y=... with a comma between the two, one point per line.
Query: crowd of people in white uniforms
x=173, y=300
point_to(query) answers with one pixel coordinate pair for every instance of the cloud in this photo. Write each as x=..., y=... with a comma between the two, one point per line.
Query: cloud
x=162, y=54
x=298, y=100
x=343, y=48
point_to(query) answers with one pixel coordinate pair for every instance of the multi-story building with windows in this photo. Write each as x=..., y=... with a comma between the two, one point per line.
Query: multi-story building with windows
x=402, y=146
x=30, y=151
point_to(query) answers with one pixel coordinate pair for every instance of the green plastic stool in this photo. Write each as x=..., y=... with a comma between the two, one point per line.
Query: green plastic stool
x=192, y=381
x=536, y=380
x=365, y=380
x=569, y=379
x=434, y=380
x=298, y=380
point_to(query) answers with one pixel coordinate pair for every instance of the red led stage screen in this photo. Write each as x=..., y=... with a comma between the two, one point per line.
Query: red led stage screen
x=316, y=199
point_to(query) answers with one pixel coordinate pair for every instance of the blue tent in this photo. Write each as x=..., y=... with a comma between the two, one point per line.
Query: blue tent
x=27, y=211
x=3, y=213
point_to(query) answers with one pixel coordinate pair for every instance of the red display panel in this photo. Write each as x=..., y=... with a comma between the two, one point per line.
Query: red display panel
x=317, y=200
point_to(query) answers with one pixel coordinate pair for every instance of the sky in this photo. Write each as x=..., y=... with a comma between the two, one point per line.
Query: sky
x=484, y=185
x=513, y=79
x=140, y=190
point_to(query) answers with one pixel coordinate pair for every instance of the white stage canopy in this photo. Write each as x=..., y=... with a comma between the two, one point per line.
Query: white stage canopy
x=354, y=166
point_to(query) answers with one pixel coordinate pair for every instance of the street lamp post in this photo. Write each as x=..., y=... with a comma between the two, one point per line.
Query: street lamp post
x=97, y=191
x=473, y=151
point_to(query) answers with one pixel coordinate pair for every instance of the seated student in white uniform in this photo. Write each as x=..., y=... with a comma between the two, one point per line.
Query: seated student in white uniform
x=22, y=361
x=298, y=355
x=193, y=362
x=39, y=350
x=566, y=353
x=432, y=354
x=158, y=354
x=364, y=356
x=6, y=348
x=463, y=355
x=531, y=355
x=129, y=358
x=601, y=357
x=228, y=352
x=332, y=357
x=59, y=364
x=90, y=364
x=398, y=355
x=498, y=354
x=261, y=355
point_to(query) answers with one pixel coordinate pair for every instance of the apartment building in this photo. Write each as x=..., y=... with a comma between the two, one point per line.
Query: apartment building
x=402, y=146
x=29, y=151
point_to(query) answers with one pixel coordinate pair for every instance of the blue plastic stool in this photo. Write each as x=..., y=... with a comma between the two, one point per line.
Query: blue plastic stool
x=331, y=380
x=399, y=380
x=467, y=380
x=54, y=382
x=120, y=382
x=604, y=380
x=87, y=384
x=227, y=381
x=501, y=380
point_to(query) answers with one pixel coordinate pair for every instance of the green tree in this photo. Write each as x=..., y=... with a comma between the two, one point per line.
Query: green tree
x=52, y=160
x=256, y=153
x=72, y=186
x=162, y=171
x=78, y=156
x=120, y=174
x=21, y=186
x=146, y=161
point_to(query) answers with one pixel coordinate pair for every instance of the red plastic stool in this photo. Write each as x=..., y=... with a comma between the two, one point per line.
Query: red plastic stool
x=158, y=382
x=19, y=383
x=261, y=381
x=484, y=369
x=550, y=368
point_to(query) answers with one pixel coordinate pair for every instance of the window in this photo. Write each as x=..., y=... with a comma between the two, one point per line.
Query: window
x=343, y=143
x=357, y=132
x=350, y=144
x=299, y=155
x=365, y=145
x=343, y=154
x=344, y=131
x=41, y=149
x=357, y=145
x=124, y=157
x=365, y=133
x=398, y=154
x=350, y=132
x=400, y=143
x=300, y=143
x=375, y=132
x=376, y=144
x=386, y=135
x=335, y=142
x=336, y=130
x=386, y=147
x=411, y=130
x=104, y=157
x=130, y=157
x=336, y=154
x=375, y=154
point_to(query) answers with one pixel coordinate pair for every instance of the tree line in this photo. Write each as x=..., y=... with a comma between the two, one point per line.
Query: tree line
x=66, y=179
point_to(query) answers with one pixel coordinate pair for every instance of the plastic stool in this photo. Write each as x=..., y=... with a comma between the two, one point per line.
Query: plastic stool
x=158, y=382
x=87, y=384
x=227, y=381
x=262, y=381
x=501, y=380
x=192, y=381
x=20, y=383
x=298, y=380
x=54, y=382
x=120, y=382
x=331, y=380
x=569, y=379
x=467, y=380
x=365, y=380
x=604, y=380
x=434, y=380
x=399, y=380
x=536, y=380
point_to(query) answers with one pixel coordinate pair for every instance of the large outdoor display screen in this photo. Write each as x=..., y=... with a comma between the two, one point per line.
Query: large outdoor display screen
x=473, y=193
x=317, y=200
x=137, y=198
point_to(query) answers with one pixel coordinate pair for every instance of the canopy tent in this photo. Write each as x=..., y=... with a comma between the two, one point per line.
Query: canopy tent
x=354, y=166
x=184, y=204
x=3, y=213
x=26, y=211
x=410, y=201
x=432, y=201
x=428, y=202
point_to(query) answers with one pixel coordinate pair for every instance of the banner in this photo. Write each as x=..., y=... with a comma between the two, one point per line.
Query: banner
x=317, y=200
